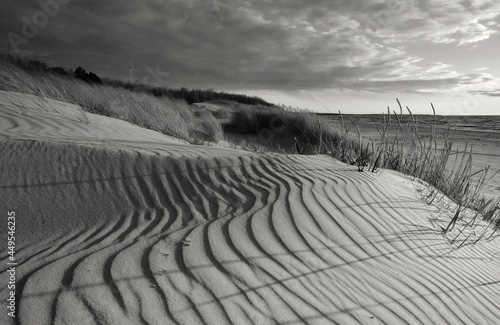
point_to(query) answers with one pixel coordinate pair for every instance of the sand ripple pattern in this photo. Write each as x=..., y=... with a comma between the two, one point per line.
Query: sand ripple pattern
x=152, y=237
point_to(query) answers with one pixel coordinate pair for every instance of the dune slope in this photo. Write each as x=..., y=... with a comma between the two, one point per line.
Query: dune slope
x=120, y=225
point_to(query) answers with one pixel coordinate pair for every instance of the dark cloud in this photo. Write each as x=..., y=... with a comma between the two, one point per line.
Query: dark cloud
x=236, y=44
x=490, y=93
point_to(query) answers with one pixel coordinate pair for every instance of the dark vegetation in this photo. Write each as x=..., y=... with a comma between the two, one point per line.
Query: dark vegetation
x=189, y=95
x=81, y=74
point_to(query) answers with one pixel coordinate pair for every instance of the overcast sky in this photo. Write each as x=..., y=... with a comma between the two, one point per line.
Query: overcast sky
x=350, y=55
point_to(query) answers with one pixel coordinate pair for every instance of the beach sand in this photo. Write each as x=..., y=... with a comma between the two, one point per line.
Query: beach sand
x=116, y=224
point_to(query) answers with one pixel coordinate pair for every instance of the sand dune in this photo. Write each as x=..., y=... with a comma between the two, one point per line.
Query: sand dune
x=121, y=225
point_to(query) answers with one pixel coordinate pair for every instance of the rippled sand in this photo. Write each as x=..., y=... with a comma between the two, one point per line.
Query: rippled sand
x=121, y=225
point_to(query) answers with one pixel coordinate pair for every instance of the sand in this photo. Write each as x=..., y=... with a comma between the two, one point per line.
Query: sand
x=120, y=225
x=479, y=134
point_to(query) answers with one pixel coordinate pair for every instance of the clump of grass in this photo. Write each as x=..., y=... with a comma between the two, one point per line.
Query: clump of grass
x=171, y=117
x=208, y=128
x=408, y=151
x=252, y=119
x=324, y=138
x=310, y=132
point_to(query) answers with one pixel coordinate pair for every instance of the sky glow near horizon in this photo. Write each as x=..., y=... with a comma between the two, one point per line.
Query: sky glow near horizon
x=348, y=55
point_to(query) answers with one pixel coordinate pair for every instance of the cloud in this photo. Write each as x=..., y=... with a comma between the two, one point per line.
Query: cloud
x=283, y=44
x=495, y=93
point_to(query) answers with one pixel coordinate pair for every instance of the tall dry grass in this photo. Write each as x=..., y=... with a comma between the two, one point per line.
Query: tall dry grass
x=402, y=147
x=310, y=131
x=171, y=117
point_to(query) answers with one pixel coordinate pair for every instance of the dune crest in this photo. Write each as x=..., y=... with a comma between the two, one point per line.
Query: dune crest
x=121, y=225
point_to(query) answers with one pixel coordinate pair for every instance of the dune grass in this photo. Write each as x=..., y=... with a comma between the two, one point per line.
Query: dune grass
x=171, y=117
x=311, y=132
x=447, y=172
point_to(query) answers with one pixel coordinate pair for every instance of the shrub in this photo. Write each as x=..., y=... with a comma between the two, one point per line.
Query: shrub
x=89, y=77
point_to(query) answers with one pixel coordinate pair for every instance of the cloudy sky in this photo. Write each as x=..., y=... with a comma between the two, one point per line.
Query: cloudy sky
x=356, y=56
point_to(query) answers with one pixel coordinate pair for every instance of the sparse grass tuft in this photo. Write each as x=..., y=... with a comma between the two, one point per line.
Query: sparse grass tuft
x=408, y=151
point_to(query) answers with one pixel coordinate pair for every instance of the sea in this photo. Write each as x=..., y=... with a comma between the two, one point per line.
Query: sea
x=477, y=134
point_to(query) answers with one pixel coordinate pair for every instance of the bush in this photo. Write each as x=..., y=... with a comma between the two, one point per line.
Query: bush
x=89, y=77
